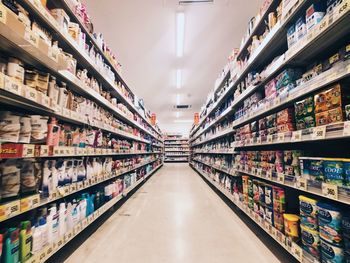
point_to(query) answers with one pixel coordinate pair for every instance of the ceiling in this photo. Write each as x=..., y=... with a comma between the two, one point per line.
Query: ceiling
x=143, y=37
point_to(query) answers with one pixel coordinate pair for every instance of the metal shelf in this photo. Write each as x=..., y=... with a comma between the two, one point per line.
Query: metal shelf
x=65, y=191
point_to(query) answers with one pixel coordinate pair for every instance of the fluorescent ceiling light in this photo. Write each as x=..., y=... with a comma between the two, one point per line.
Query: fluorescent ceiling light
x=177, y=114
x=178, y=99
x=180, y=33
x=183, y=121
x=178, y=78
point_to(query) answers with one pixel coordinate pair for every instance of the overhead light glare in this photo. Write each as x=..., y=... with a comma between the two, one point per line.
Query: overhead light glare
x=177, y=114
x=180, y=33
x=178, y=99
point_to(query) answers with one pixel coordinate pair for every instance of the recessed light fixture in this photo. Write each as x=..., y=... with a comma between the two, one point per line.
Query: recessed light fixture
x=178, y=78
x=180, y=33
x=183, y=121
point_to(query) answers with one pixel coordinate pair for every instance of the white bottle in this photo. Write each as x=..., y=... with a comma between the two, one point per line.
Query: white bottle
x=69, y=213
x=37, y=239
x=62, y=219
x=82, y=208
x=44, y=232
x=52, y=225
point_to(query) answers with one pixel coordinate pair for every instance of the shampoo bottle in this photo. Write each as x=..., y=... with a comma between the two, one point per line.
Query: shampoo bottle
x=53, y=133
x=25, y=241
x=62, y=219
x=37, y=239
x=44, y=232
x=11, y=246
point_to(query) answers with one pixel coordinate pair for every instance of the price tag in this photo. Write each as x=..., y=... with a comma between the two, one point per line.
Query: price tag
x=280, y=237
x=33, y=259
x=280, y=178
x=90, y=219
x=80, y=185
x=281, y=137
x=84, y=223
x=277, y=101
x=3, y=14
x=346, y=130
x=256, y=218
x=259, y=172
x=330, y=191
x=269, y=174
x=10, y=209
x=60, y=243
x=269, y=138
x=297, y=252
x=30, y=202
x=73, y=188
x=69, y=235
x=251, y=141
x=49, y=250
x=53, y=195
x=296, y=136
x=42, y=255
x=258, y=140
x=301, y=184
x=319, y=133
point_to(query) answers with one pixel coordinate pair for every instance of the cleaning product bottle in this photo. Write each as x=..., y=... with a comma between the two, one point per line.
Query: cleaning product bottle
x=69, y=212
x=1, y=245
x=37, y=239
x=44, y=232
x=26, y=241
x=46, y=179
x=62, y=219
x=11, y=246
x=83, y=208
x=53, y=132
x=54, y=224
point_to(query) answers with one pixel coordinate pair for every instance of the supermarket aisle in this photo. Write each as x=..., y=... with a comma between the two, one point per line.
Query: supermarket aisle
x=174, y=217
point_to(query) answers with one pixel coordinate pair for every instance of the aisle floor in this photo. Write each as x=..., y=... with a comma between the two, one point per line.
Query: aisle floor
x=174, y=217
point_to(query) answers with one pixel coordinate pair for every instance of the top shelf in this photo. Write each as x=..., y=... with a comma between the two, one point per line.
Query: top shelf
x=42, y=14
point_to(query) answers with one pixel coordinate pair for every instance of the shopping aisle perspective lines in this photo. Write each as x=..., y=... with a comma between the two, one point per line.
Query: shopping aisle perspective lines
x=174, y=217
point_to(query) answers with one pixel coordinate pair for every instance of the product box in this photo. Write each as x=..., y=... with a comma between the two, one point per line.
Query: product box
x=62, y=18
x=300, y=28
x=330, y=116
x=11, y=20
x=271, y=121
x=314, y=15
x=305, y=122
x=270, y=89
x=328, y=99
x=332, y=61
x=304, y=107
x=285, y=127
x=291, y=36
x=285, y=116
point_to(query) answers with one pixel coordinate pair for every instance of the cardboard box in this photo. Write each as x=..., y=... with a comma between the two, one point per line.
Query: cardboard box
x=14, y=150
x=10, y=19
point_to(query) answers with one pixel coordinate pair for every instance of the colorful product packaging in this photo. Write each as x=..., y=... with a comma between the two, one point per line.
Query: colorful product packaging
x=328, y=99
x=279, y=201
x=308, y=212
x=329, y=221
x=278, y=221
x=331, y=253
x=333, y=171
x=291, y=226
x=311, y=241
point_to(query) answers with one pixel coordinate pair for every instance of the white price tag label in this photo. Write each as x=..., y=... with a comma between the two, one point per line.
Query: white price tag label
x=301, y=184
x=258, y=140
x=269, y=174
x=280, y=137
x=277, y=101
x=296, y=136
x=330, y=191
x=319, y=133
x=269, y=138
x=346, y=130
x=280, y=178
x=297, y=251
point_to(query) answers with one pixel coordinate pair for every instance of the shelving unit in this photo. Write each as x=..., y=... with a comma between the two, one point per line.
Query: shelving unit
x=231, y=140
x=176, y=148
x=95, y=133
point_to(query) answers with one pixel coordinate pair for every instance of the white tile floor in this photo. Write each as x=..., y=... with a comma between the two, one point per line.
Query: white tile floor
x=174, y=217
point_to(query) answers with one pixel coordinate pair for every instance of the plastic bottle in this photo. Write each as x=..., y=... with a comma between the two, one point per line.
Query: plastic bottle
x=11, y=246
x=37, y=239
x=53, y=133
x=46, y=179
x=26, y=241
x=44, y=232
x=69, y=221
x=1, y=244
x=54, y=223
x=83, y=208
x=62, y=219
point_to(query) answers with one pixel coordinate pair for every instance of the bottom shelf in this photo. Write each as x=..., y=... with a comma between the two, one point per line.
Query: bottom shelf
x=50, y=250
x=291, y=247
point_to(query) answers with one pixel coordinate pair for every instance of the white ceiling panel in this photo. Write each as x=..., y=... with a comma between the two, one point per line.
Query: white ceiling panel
x=142, y=33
